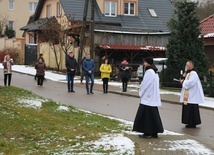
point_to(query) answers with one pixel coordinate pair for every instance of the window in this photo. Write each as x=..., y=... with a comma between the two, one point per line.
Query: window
x=31, y=39
x=129, y=8
x=48, y=11
x=32, y=6
x=11, y=4
x=110, y=8
x=152, y=13
x=11, y=25
x=58, y=14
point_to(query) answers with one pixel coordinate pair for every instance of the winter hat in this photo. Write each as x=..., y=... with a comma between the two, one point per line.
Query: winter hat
x=149, y=60
x=124, y=62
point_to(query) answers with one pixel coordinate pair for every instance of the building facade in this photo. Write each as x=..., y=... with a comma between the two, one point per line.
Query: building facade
x=17, y=13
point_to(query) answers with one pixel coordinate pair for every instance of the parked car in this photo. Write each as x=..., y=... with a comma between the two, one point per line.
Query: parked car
x=158, y=62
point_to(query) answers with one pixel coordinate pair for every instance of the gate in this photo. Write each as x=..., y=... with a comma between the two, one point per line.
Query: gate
x=30, y=54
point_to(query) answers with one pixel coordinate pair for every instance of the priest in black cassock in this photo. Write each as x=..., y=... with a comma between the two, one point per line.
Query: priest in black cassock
x=191, y=95
x=147, y=119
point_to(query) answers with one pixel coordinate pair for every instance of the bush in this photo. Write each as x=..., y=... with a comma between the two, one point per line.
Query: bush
x=14, y=53
x=9, y=32
x=167, y=75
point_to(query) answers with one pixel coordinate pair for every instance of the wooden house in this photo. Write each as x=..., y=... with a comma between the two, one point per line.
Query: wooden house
x=133, y=29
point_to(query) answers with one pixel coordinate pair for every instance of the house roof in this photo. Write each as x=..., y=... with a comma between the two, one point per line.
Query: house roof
x=163, y=8
x=207, y=26
x=143, y=22
x=36, y=24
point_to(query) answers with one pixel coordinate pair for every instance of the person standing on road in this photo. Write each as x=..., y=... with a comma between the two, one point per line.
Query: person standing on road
x=105, y=70
x=7, y=64
x=125, y=74
x=40, y=71
x=71, y=65
x=147, y=119
x=88, y=67
x=191, y=94
x=40, y=56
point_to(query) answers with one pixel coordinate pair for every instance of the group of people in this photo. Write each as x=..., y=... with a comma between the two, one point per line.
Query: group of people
x=88, y=67
x=147, y=119
x=7, y=69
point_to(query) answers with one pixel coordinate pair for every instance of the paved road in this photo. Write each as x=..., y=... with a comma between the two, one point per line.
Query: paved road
x=119, y=106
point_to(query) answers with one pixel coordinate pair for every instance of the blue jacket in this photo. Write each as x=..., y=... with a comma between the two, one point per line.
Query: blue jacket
x=88, y=65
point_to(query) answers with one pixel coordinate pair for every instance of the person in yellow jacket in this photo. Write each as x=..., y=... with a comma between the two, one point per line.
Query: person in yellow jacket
x=105, y=70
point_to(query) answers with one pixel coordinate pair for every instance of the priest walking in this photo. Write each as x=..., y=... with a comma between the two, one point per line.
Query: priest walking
x=147, y=120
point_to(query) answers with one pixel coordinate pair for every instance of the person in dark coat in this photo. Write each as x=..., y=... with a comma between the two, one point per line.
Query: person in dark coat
x=40, y=56
x=71, y=65
x=147, y=119
x=40, y=71
x=125, y=73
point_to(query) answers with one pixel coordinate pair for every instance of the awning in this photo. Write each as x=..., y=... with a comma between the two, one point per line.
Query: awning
x=132, y=47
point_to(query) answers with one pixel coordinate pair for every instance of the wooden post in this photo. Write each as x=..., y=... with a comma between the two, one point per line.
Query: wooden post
x=82, y=35
x=92, y=31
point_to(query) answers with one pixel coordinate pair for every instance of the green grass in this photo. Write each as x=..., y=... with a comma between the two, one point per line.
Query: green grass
x=46, y=130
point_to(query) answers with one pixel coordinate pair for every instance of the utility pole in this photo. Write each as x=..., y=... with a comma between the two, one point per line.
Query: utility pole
x=92, y=30
x=82, y=35
x=83, y=29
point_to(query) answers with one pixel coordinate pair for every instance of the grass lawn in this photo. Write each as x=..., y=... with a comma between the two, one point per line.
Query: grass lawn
x=31, y=125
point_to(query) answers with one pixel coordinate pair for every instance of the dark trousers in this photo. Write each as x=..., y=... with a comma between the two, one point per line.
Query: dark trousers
x=91, y=77
x=40, y=79
x=7, y=77
x=82, y=76
x=105, y=85
x=124, y=84
x=70, y=81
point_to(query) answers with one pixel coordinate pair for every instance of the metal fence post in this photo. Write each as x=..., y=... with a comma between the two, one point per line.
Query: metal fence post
x=162, y=82
x=210, y=89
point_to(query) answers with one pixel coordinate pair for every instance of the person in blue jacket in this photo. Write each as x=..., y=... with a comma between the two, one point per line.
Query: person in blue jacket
x=88, y=67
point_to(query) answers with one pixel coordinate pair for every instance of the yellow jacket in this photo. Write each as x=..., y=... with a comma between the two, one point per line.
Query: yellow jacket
x=105, y=70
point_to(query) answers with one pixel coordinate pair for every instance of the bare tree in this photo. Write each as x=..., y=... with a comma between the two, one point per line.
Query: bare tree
x=205, y=9
x=60, y=34
x=3, y=24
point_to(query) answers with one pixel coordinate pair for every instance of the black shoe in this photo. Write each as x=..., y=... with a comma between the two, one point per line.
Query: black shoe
x=190, y=126
x=91, y=92
x=155, y=135
x=144, y=136
x=88, y=93
x=72, y=91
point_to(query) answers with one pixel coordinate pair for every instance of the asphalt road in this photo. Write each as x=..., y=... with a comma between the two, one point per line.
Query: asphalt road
x=115, y=105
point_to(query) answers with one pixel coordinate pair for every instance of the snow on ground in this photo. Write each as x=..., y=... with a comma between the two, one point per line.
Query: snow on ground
x=119, y=141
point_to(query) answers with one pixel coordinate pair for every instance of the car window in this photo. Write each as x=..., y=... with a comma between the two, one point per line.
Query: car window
x=158, y=62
